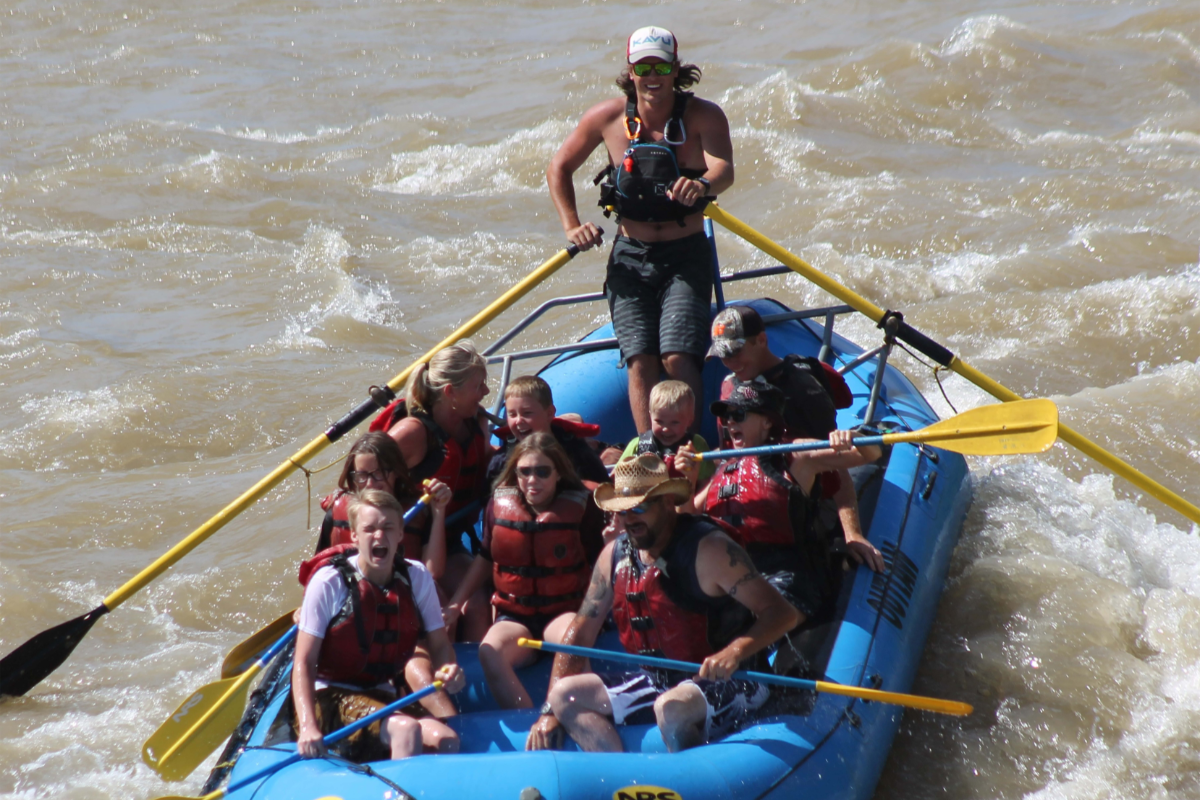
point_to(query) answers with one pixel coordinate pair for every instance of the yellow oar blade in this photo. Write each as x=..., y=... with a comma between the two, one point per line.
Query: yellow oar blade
x=952, y=707
x=244, y=654
x=197, y=727
x=1025, y=426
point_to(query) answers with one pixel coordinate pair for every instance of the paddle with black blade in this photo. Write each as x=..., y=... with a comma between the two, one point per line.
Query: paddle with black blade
x=951, y=707
x=29, y=664
x=1024, y=426
x=213, y=711
x=332, y=738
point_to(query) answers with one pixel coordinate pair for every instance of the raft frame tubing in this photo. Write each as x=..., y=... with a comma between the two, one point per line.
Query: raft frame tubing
x=946, y=358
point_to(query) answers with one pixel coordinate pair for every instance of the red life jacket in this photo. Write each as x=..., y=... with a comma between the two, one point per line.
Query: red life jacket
x=660, y=608
x=539, y=565
x=463, y=469
x=335, y=506
x=755, y=496
x=375, y=632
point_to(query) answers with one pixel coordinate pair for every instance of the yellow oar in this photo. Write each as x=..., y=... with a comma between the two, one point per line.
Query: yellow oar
x=951, y=707
x=29, y=664
x=1026, y=426
x=941, y=355
x=203, y=721
x=332, y=738
x=244, y=654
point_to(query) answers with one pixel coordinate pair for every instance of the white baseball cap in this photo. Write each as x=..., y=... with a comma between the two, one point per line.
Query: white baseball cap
x=653, y=42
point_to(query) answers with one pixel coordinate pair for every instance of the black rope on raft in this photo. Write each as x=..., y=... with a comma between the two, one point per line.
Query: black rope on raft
x=937, y=370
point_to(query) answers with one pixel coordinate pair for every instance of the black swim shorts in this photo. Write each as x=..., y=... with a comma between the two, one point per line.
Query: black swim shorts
x=659, y=295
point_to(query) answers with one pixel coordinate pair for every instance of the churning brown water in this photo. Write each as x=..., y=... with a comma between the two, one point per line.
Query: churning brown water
x=221, y=221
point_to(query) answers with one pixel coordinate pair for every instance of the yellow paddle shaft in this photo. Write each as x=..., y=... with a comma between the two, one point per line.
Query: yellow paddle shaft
x=167, y=559
x=989, y=385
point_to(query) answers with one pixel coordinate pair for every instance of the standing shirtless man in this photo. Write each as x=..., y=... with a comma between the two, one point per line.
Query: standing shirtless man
x=668, y=151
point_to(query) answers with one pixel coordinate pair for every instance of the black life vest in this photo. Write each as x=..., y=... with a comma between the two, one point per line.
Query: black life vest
x=637, y=187
x=660, y=608
x=374, y=634
x=648, y=444
x=754, y=495
x=539, y=565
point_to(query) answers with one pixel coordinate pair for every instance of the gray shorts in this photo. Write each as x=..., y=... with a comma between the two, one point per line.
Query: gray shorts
x=659, y=295
x=730, y=704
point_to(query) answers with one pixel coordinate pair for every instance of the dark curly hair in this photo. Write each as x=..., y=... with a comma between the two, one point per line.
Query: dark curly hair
x=689, y=75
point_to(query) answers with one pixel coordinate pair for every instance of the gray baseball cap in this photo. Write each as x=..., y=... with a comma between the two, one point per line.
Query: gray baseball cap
x=731, y=328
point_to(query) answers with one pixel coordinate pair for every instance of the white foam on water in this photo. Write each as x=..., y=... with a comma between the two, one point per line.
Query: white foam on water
x=975, y=35
x=322, y=264
x=73, y=413
x=1148, y=733
x=514, y=164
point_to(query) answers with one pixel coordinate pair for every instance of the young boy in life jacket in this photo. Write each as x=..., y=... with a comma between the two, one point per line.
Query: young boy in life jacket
x=772, y=499
x=362, y=613
x=672, y=414
x=529, y=407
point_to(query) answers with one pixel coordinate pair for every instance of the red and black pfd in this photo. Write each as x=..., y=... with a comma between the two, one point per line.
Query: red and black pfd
x=539, y=562
x=659, y=608
x=374, y=634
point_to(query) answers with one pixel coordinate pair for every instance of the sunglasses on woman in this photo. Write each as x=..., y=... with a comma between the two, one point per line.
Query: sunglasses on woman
x=662, y=68
x=542, y=472
x=734, y=415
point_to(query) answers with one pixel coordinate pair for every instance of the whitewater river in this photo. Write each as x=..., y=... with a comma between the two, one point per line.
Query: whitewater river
x=221, y=221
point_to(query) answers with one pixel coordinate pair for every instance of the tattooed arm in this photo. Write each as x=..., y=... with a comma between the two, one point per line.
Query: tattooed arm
x=586, y=626
x=546, y=733
x=724, y=568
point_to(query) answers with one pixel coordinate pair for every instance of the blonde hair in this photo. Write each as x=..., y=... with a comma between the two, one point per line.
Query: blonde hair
x=672, y=394
x=532, y=387
x=451, y=366
x=376, y=498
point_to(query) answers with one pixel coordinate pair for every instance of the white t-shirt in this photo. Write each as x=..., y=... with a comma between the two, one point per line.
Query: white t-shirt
x=326, y=593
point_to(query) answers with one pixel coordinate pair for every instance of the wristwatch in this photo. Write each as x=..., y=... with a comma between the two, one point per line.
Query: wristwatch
x=546, y=710
x=707, y=185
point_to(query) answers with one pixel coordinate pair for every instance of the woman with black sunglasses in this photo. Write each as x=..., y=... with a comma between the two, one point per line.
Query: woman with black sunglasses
x=534, y=533
x=770, y=499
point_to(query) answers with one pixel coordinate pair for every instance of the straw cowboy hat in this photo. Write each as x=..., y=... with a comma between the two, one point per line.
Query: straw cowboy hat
x=639, y=479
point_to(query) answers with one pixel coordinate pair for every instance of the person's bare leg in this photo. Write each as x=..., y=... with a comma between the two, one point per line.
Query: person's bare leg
x=681, y=713
x=686, y=367
x=500, y=656
x=581, y=704
x=644, y=371
x=557, y=628
x=402, y=734
x=418, y=673
x=477, y=611
x=438, y=737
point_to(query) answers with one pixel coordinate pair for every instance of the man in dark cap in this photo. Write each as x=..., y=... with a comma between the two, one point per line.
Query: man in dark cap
x=812, y=393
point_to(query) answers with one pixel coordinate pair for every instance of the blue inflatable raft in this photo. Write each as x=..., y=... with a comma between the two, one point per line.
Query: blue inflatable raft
x=818, y=746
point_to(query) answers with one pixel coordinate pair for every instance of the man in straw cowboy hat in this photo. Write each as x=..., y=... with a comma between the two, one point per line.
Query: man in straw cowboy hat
x=675, y=583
